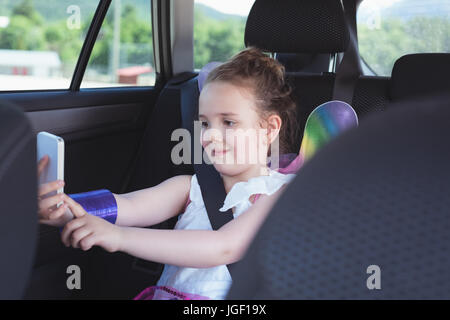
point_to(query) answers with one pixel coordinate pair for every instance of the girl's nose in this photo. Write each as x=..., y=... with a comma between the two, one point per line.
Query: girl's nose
x=213, y=135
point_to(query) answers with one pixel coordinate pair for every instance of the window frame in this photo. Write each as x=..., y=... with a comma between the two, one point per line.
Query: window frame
x=88, y=45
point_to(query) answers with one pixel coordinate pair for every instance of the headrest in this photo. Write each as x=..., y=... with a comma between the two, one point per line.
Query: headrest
x=422, y=74
x=304, y=62
x=297, y=26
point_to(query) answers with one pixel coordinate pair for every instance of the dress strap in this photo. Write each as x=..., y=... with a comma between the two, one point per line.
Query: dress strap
x=187, y=203
x=167, y=293
x=256, y=197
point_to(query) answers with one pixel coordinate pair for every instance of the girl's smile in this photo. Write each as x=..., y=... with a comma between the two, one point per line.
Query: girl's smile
x=218, y=152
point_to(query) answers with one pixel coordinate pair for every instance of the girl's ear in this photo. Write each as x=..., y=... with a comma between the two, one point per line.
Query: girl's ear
x=273, y=127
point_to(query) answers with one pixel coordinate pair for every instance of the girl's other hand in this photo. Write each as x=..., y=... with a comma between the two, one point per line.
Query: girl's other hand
x=48, y=211
x=86, y=230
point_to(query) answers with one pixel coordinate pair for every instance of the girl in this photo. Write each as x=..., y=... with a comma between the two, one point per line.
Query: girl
x=246, y=94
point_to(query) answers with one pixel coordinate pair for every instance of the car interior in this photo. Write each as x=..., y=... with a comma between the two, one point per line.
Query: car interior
x=375, y=196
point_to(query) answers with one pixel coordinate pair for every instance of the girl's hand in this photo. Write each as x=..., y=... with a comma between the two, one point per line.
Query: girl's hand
x=87, y=230
x=48, y=212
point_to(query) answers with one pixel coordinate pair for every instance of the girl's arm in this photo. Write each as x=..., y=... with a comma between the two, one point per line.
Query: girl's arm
x=144, y=207
x=199, y=248
x=153, y=205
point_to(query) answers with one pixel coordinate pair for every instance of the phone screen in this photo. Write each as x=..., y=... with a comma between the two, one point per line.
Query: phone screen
x=53, y=146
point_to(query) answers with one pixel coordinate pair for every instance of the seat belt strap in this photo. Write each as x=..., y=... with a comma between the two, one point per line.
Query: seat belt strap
x=349, y=69
x=209, y=179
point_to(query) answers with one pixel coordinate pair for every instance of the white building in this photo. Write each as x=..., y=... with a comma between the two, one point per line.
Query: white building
x=33, y=63
x=4, y=21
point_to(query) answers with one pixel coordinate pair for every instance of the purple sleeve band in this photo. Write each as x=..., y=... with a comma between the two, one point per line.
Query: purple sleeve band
x=100, y=203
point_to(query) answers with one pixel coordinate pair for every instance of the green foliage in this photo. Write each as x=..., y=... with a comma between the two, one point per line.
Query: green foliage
x=21, y=35
x=216, y=40
x=27, y=31
x=26, y=9
x=67, y=42
x=382, y=46
x=217, y=37
x=135, y=40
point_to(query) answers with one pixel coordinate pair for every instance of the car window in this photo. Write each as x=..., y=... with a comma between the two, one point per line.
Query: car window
x=40, y=42
x=219, y=29
x=123, y=52
x=389, y=29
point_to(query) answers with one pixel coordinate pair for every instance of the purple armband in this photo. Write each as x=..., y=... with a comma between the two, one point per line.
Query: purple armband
x=100, y=203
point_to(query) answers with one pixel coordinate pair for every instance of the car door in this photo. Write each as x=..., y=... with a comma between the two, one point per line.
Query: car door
x=85, y=71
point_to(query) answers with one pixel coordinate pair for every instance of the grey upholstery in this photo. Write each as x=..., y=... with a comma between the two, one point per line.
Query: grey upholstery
x=378, y=195
x=18, y=201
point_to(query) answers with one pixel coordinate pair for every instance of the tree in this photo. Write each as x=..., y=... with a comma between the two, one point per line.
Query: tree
x=21, y=34
x=381, y=47
x=216, y=40
x=27, y=10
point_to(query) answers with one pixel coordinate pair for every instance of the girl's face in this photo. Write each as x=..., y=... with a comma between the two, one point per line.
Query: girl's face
x=234, y=136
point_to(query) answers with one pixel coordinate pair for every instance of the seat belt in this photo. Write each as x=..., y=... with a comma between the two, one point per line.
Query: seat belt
x=209, y=179
x=349, y=69
x=213, y=192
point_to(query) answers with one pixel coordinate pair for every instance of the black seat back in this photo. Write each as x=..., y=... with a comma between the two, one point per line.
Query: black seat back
x=413, y=75
x=18, y=201
x=153, y=163
x=416, y=75
x=375, y=197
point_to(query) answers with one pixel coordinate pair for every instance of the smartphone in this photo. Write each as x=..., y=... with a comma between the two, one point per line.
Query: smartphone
x=53, y=146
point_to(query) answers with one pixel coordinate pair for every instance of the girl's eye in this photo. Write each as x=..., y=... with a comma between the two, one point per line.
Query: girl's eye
x=204, y=124
x=229, y=123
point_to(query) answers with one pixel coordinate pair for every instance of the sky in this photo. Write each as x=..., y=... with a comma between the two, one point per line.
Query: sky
x=242, y=7
x=372, y=4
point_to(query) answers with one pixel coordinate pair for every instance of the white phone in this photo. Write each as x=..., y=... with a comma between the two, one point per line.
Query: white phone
x=53, y=146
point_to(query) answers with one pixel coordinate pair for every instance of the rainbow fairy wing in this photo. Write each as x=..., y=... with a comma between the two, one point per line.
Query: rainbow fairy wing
x=324, y=123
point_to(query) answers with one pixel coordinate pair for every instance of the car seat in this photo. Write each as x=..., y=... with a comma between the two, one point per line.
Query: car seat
x=18, y=201
x=376, y=197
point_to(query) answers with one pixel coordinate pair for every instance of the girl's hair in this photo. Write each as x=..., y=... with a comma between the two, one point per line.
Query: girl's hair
x=265, y=76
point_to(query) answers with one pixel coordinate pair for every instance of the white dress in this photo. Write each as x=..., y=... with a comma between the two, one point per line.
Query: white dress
x=215, y=282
